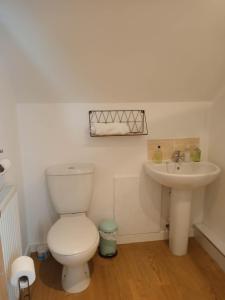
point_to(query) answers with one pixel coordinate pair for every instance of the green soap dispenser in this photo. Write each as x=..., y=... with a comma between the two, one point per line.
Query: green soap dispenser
x=196, y=154
x=157, y=156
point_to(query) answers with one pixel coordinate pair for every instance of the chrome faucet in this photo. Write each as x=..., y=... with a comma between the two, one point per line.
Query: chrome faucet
x=178, y=156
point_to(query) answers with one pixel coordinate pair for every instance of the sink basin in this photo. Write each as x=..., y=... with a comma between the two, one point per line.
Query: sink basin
x=182, y=178
x=183, y=175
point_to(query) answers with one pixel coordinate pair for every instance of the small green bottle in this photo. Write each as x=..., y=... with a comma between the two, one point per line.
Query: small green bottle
x=157, y=157
x=196, y=154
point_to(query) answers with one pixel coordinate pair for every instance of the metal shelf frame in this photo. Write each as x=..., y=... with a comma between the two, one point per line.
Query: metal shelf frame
x=135, y=119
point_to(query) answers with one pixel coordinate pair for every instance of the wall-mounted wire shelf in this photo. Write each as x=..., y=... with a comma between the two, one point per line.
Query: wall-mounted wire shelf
x=134, y=122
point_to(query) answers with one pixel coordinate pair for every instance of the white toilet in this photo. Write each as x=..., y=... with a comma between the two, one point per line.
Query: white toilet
x=74, y=238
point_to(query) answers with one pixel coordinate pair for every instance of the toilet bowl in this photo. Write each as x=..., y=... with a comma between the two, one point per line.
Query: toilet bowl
x=73, y=241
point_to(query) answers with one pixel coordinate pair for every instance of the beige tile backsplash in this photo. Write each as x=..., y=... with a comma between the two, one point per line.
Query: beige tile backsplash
x=168, y=146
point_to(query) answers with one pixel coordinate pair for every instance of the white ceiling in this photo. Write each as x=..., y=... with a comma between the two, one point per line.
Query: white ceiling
x=120, y=50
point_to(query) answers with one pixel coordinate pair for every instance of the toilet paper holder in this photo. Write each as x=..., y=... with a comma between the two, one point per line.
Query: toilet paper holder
x=24, y=281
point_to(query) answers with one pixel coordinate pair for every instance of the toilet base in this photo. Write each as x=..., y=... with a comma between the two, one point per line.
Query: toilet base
x=75, y=279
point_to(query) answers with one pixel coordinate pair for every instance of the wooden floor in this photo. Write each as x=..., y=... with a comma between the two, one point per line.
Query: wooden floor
x=140, y=271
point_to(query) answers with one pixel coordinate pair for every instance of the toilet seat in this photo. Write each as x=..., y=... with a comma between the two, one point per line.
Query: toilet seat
x=72, y=235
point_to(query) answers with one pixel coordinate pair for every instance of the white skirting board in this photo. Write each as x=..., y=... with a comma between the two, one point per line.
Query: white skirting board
x=32, y=248
x=27, y=251
x=121, y=239
x=214, y=247
x=142, y=237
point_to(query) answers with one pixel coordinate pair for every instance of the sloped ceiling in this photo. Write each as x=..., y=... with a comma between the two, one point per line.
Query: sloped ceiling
x=118, y=50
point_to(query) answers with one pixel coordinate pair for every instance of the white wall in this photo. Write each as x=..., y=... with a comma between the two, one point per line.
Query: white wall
x=8, y=136
x=8, y=128
x=120, y=50
x=58, y=133
x=214, y=213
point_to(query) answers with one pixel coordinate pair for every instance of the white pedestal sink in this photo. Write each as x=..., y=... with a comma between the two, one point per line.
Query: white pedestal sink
x=183, y=178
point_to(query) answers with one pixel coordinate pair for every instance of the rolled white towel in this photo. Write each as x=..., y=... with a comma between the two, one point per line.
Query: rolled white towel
x=110, y=128
x=5, y=164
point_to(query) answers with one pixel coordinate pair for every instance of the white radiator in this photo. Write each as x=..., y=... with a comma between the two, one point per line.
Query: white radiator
x=10, y=231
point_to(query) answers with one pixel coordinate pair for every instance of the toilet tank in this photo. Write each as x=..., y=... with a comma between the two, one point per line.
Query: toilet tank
x=70, y=187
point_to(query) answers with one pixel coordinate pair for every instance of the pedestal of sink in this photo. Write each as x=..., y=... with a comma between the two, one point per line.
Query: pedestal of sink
x=180, y=213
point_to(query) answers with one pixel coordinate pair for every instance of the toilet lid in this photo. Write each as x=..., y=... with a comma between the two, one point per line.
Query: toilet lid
x=72, y=235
